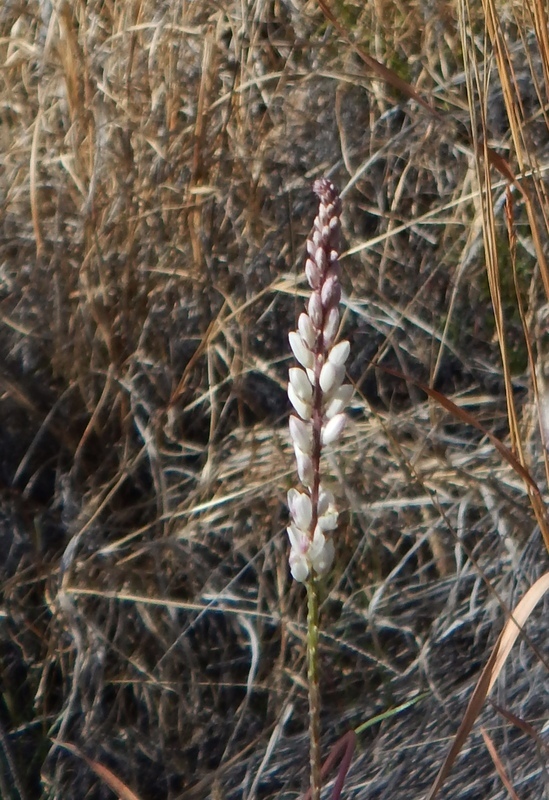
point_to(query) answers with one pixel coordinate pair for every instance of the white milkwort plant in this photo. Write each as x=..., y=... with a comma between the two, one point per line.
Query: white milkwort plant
x=319, y=397
x=317, y=393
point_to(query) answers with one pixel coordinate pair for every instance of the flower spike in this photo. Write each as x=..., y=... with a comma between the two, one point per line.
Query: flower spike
x=317, y=392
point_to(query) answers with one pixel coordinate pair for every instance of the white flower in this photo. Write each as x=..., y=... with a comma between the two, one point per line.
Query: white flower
x=307, y=555
x=303, y=408
x=325, y=558
x=338, y=401
x=331, y=376
x=327, y=513
x=301, y=384
x=340, y=352
x=301, y=434
x=331, y=432
x=299, y=564
x=304, y=467
x=301, y=509
x=331, y=325
x=305, y=327
x=300, y=350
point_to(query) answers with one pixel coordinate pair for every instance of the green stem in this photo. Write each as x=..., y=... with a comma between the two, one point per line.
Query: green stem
x=314, y=688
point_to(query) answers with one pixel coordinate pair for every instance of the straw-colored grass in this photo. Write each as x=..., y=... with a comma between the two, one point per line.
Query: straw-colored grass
x=156, y=163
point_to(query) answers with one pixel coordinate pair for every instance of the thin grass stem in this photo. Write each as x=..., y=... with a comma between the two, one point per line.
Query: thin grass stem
x=314, y=687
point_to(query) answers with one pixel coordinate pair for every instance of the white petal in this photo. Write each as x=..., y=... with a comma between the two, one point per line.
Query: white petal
x=328, y=521
x=301, y=434
x=301, y=384
x=331, y=377
x=332, y=431
x=304, y=467
x=340, y=352
x=339, y=401
x=303, y=408
x=331, y=326
x=325, y=500
x=325, y=559
x=299, y=567
x=317, y=545
x=299, y=540
x=305, y=327
x=300, y=350
x=301, y=510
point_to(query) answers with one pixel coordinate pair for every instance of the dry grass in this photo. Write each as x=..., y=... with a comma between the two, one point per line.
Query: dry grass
x=156, y=162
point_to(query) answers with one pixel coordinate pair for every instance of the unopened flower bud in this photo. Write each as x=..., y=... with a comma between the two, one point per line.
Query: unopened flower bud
x=330, y=294
x=339, y=401
x=300, y=350
x=302, y=434
x=315, y=310
x=331, y=376
x=305, y=327
x=313, y=274
x=333, y=429
x=331, y=325
x=300, y=383
x=340, y=353
x=303, y=407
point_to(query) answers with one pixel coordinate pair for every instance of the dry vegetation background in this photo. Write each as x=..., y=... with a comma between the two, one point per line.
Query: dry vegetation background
x=156, y=163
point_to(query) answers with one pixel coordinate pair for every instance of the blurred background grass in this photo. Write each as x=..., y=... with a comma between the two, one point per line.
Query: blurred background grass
x=156, y=163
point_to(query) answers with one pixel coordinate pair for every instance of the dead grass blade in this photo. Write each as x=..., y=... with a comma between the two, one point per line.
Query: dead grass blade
x=490, y=674
x=108, y=777
x=525, y=727
x=514, y=114
x=343, y=749
x=498, y=765
x=477, y=90
x=470, y=419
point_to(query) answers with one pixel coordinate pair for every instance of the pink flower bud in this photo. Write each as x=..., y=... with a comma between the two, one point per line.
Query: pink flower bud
x=321, y=260
x=313, y=274
x=331, y=292
x=316, y=312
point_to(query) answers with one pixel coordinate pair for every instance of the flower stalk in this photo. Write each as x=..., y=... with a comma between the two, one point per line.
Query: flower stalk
x=319, y=398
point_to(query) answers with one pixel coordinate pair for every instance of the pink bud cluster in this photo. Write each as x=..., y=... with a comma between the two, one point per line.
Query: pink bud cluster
x=317, y=392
